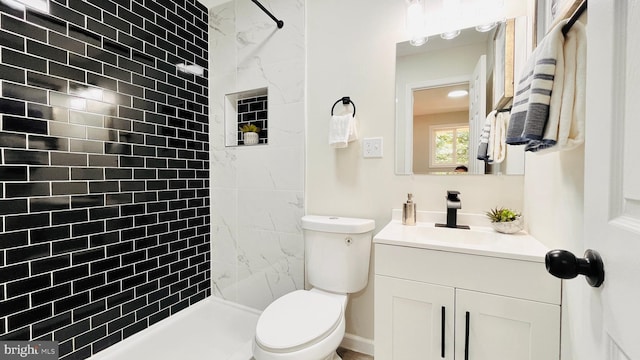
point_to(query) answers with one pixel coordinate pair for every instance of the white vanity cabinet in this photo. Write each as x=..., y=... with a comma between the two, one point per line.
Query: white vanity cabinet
x=439, y=304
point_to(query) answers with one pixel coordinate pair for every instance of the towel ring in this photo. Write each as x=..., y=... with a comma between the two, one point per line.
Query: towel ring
x=345, y=101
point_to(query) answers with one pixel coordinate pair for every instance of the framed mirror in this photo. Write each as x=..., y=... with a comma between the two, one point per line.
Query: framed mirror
x=437, y=132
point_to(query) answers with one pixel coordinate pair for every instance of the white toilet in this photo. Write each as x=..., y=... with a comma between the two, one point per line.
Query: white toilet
x=310, y=324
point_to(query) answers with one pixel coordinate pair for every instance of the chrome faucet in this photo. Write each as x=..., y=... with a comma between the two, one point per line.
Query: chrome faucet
x=453, y=204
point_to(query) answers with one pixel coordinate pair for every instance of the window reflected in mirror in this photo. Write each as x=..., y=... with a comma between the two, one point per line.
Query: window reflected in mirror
x=450, y=146
x=441, y=129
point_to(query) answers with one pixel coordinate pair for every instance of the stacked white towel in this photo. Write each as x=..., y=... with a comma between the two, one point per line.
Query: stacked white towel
x=569, y=128
x=342, y=130
x=483, y=148
x=549, y=105
x=493, y=147
x=497, y=144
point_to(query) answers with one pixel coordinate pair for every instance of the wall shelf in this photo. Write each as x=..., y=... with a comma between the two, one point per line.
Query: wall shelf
x=243, y=108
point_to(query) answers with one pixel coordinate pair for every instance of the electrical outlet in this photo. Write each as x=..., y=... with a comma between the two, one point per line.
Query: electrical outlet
x=372, y=147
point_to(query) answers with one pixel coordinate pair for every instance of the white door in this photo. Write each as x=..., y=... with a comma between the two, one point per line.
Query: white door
x=611, y=313
x=414, y=320
x=477, y=113
x=491, y=327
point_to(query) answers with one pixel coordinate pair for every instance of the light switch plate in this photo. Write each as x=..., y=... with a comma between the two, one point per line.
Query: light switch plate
x=372, y=147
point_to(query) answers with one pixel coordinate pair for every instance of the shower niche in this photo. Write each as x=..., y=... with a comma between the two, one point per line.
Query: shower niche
x=246, y=114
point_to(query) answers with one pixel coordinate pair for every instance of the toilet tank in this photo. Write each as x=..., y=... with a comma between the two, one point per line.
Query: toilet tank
x=337, y=252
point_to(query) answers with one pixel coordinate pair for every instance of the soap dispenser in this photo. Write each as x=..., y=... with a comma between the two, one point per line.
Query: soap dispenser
x=409, y=211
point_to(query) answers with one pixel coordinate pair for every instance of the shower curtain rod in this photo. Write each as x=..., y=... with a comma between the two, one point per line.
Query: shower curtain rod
x=280, y=23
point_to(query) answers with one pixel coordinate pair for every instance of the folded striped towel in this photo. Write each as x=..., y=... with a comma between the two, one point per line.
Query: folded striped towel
x=531, y=103
x=552, y=93
x=567, y=128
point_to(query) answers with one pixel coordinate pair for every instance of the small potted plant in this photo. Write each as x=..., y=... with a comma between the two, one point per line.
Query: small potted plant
x=250, y=134
x=505, y=220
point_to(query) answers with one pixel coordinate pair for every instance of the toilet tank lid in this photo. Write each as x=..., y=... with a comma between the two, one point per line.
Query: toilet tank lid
x=337, y=224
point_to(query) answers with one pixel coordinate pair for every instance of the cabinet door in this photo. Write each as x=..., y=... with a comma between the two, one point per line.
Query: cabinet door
x=413, y=320
x=490, y=327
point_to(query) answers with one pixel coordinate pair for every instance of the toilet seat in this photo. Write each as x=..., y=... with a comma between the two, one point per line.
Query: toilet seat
x=297, y=320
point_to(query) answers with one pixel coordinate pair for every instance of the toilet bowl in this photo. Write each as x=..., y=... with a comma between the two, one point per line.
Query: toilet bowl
x=301, y=325
x=310, y=324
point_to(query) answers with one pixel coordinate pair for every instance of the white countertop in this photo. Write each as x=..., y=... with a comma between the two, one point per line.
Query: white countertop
x=480, y=240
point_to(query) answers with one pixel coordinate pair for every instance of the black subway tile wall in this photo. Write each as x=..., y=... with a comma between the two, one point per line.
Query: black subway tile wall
x=104, y=169
x=253, y=110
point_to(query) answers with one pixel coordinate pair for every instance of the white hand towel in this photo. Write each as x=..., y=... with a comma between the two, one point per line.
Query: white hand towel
x=483, y=147
x=565, y=128
x=342, y=130
x=353, y=129
x=492, y=138
x=571, y=127
x=499, y=139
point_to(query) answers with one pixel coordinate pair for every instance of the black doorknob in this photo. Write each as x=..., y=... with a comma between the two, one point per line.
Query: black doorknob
x=564, y=265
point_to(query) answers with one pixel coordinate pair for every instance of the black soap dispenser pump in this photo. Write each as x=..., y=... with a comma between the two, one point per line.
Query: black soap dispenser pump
x=409, y=211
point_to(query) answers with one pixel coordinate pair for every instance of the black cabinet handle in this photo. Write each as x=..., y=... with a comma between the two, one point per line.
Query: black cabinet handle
x=466, y=336
x=565, y=265
x=442, y=331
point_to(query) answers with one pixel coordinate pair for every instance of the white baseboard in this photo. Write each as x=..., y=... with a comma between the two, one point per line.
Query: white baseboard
x=357, y=343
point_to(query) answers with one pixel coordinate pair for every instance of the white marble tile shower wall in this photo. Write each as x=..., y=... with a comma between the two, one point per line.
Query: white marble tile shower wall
x=258, y=192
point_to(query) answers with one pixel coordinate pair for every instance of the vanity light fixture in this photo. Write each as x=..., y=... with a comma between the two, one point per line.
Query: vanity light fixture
x=457, y=93
x=451, y=10
x=491, y=13
x=416, y=22
x=418, y=41
x=450, y=34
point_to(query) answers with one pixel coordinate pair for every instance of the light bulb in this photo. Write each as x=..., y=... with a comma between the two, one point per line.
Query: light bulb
x=450, y=34
x=486, y=27
x=418, y=41
x=416, y=22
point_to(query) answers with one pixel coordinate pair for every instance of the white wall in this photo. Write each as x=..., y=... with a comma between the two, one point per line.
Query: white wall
x=257, y=191
x=351, y=52
x=554, y=204
x=554, y=201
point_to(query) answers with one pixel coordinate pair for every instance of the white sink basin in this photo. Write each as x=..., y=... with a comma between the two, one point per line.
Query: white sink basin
x=479, y=240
